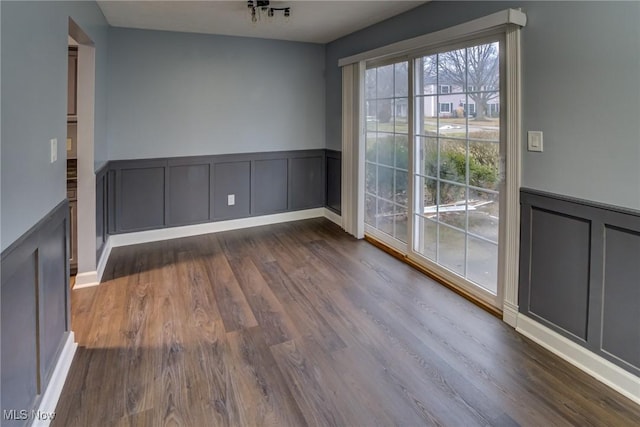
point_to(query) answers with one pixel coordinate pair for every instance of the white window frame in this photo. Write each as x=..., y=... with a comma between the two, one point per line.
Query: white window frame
x=508, y=22
x=443, y=91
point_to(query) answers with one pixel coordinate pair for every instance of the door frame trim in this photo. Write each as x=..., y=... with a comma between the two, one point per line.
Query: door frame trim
x=86, y=207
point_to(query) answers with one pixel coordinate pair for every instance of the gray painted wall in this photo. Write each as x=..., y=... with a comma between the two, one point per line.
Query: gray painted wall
x=581, y=62
x=178, y=94
x=581, y=67
x=34, y=96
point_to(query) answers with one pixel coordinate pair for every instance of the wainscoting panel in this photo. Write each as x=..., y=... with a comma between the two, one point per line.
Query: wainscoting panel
x=52, y=299
x=621, y=295
x=269, y=186
x=140, y=194
x=580, y=273
x=232, y=178
x=306, y=182
x=189, y=198
x=150, y=194
x=101, y=211
x=35, y=310
x=111, y=200
x=559, y=289
x=20, y=371
x=334, y=180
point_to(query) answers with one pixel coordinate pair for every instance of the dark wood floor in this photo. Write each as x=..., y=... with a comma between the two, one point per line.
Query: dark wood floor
x=298, y=324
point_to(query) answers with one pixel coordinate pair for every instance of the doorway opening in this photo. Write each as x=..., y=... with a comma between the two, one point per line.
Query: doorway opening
x=80, y=156
x=72, y=155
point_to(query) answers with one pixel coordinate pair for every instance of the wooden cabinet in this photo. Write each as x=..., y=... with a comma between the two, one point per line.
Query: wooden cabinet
x=72, y=97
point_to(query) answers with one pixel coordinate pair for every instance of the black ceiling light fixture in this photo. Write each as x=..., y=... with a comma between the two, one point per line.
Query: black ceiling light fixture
x=258, y=7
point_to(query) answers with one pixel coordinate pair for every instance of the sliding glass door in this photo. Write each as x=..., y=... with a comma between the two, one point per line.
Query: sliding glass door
x=454, y=125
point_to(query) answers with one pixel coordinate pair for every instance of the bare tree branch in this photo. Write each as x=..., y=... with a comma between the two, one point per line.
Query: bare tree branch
x=477, y=67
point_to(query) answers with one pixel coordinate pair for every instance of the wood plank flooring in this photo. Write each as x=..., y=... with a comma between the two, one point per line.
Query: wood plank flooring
x=299, y=324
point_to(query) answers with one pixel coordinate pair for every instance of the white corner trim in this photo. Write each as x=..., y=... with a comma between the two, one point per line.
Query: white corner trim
x=54, y=389
x=510, y=314
x=504, y=17
x=102, y=262
x=135, y=238
x=86, y=280
x=598, y=367
x=333, y=217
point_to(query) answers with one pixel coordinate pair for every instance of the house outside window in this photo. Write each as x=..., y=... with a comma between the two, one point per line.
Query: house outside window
x=445, y=88
x=445, y=107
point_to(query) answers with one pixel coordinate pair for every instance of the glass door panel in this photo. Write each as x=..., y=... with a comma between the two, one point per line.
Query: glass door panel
x=457, y=147
x=387, y=151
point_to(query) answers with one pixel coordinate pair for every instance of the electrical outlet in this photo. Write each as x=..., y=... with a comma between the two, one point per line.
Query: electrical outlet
x=534, y=140
x=54, y=149
x=231, y=199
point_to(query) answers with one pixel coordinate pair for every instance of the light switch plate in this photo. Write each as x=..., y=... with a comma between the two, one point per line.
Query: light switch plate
x=231, y=199
x=54, y=149
x=534, y=140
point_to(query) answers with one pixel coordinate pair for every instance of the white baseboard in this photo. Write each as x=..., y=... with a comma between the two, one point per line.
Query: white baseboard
x=598, y=367
x=86, y=280
x=104, y=257
x=135, y=238
x=333, y=217
x=510, y=314
x=54, y=389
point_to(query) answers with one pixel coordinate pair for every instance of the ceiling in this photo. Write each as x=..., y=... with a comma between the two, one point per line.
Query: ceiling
x=310, y=21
